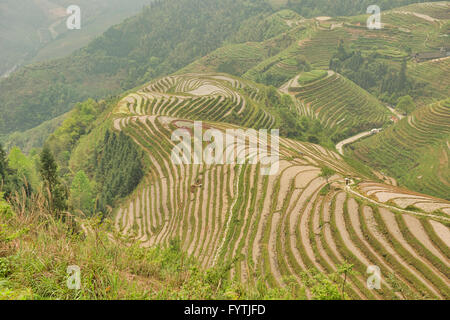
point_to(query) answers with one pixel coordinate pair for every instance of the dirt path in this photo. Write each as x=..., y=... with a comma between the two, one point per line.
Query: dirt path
x=395, y=208
x=340, y=145
x=395, y=112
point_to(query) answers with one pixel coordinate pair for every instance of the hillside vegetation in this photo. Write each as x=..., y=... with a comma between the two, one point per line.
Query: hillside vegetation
x=283, y=228
x=36, y=30
x=153, y=43
x=339, y=104
x=287, y=218
x=36, y=250
x=157, y=42
x=416, y=150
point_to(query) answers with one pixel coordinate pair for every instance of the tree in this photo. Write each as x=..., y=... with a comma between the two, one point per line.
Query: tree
x=406, y=104
x=54, y=191
x=3, y=164
x=344, y=269
x=402, y=75
x=9, y=181
x=24, y=168
x=81, y=193
x=326, y=172
x=322, y=286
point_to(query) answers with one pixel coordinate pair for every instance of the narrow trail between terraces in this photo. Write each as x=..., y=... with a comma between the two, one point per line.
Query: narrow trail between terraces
x=348, y=189
x=340, y=145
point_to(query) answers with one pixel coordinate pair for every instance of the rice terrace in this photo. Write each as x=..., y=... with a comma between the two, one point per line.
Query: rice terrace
x=253, y=149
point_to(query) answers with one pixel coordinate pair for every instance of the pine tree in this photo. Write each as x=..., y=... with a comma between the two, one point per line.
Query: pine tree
x=402, y=76
x=55, y=192
x=9, y=181
x=3, y=164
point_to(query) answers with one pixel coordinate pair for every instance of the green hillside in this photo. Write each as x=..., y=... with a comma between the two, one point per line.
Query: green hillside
x=415, y=151
x=340, y=105
x=435, y=75
x=123, y=57
x=270, y=226
x=36, y=30
x=345, y=183
x=126, y=55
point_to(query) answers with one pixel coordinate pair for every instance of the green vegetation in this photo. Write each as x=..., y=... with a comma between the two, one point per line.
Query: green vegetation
x=312, y=76
x=77, y=123
x=37, y=29
x=106, y=195
x=414, y=151
x=55, y=192
x=36, y=251
x=326, y=172
x=406, y=105
x=17, y=172
x=342, y=107
x=119, y=168
x=35, y=137
x=314, y=8
x=291, y=124
x=373, y=74
x=82, y=193
x=125, y=56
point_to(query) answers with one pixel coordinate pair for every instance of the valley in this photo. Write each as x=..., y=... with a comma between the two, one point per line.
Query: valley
x=354, y=178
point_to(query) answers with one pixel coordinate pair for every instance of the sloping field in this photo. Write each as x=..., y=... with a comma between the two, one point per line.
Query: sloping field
x=416, y=150
x=321, y=45
x=339, y=103
x=434, y=10
x=214, y=97
x=435, y=73
x=234, y=59
x=275, y=228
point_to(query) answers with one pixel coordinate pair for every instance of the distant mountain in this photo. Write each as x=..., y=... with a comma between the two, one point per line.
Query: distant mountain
x=36, y=30
x=161, y=39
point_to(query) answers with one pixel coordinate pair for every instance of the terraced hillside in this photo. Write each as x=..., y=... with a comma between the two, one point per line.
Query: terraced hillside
x=406, y=30
x=435, y=10
x=416, y=150
x=282, y=227
x=339, y=104
x=435, y=74
x=214, y=97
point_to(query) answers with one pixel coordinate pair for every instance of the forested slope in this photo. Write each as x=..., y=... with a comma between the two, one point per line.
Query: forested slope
x=160, y=40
